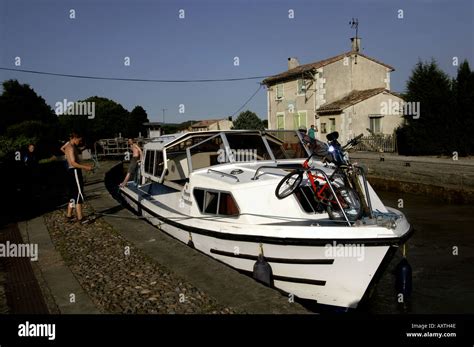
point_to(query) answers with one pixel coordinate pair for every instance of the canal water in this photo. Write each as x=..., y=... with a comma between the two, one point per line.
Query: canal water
x=441, y=254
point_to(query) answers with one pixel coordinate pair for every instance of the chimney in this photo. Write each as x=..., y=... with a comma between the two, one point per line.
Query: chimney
x=292, y=63
x=355, y=43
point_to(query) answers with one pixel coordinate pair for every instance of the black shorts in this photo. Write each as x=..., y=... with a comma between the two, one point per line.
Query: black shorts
x=76, y=185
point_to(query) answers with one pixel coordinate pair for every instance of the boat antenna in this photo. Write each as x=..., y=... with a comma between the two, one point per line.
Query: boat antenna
x=354, y=23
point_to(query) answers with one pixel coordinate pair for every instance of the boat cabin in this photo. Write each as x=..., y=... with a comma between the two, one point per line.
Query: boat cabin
x=170, y=159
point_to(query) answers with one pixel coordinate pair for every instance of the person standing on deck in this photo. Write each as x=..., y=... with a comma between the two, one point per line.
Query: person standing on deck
x=137, y=155
x=75, y=181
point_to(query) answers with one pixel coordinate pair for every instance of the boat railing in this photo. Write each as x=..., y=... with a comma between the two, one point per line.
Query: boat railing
x=115, y=147
x=326, y=178
x=366, y=188
x=223, y=174
x=256, y=176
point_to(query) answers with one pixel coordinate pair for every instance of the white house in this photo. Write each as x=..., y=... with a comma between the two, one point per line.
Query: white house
x=348, y=93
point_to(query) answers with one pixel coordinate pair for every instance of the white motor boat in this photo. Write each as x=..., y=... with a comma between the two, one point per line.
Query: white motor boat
x=216, y=192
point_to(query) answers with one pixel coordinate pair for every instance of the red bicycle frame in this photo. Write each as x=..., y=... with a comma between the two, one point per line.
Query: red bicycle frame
x=319, y=193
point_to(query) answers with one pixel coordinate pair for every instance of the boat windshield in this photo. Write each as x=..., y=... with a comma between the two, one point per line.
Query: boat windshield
x=286, y=144
x=247, y=147
x=207, y=153
x=205, y=150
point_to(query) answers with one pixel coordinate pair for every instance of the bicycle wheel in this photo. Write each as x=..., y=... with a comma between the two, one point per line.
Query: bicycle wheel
x=350, y=203
x=288, y=184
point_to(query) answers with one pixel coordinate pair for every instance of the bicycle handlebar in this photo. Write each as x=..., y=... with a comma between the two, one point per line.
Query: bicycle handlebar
x=357, y=138
x=354, y=141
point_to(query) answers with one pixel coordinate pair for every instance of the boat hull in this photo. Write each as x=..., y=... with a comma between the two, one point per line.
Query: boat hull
x=330, y=272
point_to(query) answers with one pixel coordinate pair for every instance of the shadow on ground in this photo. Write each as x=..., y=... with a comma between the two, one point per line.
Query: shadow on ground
x=28, y=194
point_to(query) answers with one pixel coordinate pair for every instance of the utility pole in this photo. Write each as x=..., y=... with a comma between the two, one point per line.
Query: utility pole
x=164, y=109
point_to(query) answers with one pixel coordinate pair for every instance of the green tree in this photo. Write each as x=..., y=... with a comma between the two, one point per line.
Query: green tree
x=8, y=146
x=249, y=121
x=432, y=132
x=110, y=120
x=463, y=89
x=20, y=103
x=135, y=126
x=25, y=118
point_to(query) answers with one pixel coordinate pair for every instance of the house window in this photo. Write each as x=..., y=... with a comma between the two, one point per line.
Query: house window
x=299, y=120
x=332, y=125
x=376, y=124
x=323, y=128
x=280, y=121
x=279, y=92
x=301, y=87
x=215, y=202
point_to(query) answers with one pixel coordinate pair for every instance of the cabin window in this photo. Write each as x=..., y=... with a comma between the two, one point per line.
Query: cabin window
x=211, y=201
x=199, y=197
x=308, y=201
x=159, y=163
x=149, y=162
x=227, y=205
x=215, y=202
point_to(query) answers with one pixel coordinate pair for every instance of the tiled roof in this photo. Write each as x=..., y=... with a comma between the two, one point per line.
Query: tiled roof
x=299, y=70
x=350, y=99
x=205, y=123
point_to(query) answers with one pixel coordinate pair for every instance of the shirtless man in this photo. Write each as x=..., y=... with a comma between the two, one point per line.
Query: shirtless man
x=136, y=157
x=75, y=181
x=63, y=148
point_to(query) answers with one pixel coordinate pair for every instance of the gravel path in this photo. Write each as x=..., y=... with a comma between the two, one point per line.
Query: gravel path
x=118, y=277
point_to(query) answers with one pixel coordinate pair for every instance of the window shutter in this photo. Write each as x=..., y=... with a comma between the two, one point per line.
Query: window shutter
x=280, y=122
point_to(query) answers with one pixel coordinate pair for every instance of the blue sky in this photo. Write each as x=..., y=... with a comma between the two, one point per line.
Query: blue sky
x=203, y=45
